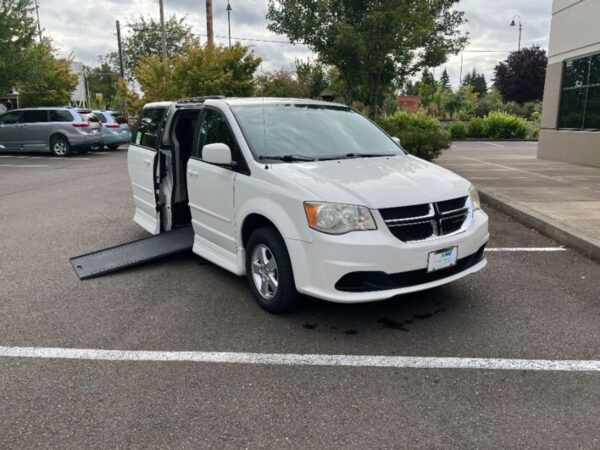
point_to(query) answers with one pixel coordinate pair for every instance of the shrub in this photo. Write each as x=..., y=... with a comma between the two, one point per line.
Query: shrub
x=501, y=125
x=419, y=133
x=477, y=128
x=457, y=130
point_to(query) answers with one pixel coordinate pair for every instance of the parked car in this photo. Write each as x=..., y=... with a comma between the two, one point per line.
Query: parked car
x=115, y=130
x=304, y=197
x=58, y=130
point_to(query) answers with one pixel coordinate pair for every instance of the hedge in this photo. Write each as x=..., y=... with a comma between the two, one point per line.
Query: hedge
x=420, y=134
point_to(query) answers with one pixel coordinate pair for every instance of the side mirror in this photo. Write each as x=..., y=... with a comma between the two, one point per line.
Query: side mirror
x=397, y=141
x=217, y=154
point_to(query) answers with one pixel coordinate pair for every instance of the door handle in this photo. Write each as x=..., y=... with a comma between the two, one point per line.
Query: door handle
x=193, y=173
x=147, y=162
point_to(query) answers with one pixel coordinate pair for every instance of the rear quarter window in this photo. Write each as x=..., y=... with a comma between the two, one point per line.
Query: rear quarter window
x=148, y=130
x=61, y=115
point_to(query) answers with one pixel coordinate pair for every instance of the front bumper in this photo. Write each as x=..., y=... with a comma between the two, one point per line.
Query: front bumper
x=319, y=266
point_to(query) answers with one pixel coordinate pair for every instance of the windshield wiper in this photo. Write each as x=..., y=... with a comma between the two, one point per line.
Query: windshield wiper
x=367, y=155
x=356, y=155
x=287, y=158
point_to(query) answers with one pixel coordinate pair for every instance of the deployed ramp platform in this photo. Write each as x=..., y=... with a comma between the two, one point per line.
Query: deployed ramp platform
x=99, y=263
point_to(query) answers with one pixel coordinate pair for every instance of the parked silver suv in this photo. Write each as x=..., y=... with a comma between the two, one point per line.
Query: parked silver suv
x=58, y=130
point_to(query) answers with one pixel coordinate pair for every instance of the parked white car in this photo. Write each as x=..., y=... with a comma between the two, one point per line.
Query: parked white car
x=303, y=197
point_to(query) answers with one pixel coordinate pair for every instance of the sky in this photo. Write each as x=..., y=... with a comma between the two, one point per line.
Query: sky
x=86, y=29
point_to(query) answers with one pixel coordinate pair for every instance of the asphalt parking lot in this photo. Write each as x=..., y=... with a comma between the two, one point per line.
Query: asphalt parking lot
x=527, y=304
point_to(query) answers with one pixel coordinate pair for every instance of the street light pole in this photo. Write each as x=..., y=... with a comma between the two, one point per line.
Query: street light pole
x=512, y=24
x=229, y=20
x=163, y=32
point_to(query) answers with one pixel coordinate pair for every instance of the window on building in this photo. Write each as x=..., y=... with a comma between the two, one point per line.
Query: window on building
x=580, y=94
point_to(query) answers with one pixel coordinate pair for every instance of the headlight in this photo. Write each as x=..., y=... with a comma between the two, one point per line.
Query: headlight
x=338, y=219
x=474, y=198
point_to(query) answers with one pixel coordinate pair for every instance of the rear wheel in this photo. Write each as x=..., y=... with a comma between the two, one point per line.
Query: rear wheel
x=269, y=272
x=96, y=148
x=59, y=146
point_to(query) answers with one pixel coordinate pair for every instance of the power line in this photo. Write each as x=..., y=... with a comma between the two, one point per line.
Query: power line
x=256, y=40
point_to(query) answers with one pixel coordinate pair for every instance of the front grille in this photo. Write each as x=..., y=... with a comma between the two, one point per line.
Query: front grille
x=406, y=212
x=428, y=220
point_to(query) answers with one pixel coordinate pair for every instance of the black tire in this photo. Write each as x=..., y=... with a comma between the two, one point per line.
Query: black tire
x=97, y=148
x=285, y=298
x=59, y=146
x=113, y=147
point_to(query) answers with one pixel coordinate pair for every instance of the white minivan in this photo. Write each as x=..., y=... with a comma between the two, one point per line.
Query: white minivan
x=303, y=197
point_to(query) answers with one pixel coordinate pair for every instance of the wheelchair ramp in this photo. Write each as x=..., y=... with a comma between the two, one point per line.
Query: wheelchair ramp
x=133, y=253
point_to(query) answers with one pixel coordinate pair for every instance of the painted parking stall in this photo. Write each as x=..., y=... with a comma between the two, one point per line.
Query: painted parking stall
x=176, y=353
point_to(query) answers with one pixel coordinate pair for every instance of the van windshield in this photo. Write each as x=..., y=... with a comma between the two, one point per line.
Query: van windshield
x=309, y=132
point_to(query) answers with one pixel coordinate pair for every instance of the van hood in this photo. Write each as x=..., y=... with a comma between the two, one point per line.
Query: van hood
x=382, y=182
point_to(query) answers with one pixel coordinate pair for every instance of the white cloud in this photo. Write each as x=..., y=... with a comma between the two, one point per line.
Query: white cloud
x=87, y=29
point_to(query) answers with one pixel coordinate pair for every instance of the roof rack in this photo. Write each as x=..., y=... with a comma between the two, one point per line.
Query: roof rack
x=199, y=99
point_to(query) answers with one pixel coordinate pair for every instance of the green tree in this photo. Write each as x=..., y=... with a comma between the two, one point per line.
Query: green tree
x=146, y=40
x=17, y=34
x=103, y=80
x=460, y=104
x=51, y=82
x=477, y=81
x=198, y=71
x=312, y=78
x=281, y=83
x=372, y=43
x=445, y=81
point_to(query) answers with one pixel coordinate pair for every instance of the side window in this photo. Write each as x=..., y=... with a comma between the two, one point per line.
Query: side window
x=60, y=115
x=214, y=130
x=35, y=116
x=149, y=127
x=10, y=118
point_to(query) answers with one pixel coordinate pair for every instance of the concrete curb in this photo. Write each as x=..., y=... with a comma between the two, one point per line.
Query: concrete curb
x=554, y=229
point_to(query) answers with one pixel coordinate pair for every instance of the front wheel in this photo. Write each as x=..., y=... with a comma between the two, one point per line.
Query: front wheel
x=269, y=272
x=60, y=146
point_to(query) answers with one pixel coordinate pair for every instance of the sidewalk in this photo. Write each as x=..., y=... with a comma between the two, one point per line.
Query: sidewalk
x=558, y=199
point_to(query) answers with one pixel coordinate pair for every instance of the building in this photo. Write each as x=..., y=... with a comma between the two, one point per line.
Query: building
x=570, y=128
x=409, y=103
x=78, y=97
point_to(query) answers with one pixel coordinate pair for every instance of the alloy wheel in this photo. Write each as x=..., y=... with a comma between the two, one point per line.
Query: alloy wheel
x=264, y=271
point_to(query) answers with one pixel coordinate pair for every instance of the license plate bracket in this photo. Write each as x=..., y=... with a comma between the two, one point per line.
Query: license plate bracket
x=442, y=259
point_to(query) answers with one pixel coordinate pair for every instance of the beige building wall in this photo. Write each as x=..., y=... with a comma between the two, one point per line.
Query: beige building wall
x=575, y=32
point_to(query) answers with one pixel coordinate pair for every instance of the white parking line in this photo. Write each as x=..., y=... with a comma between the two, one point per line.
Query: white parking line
x=526, y=249
x=289, y=359
x=493, y=144
x=54, y=158
x=23, y=165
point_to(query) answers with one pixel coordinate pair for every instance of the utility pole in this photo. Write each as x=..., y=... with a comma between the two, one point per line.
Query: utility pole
x=120, y=49
x=229, y=21
x=209, y=23
x=39, y=25
x=163, y=32
x=121, y=68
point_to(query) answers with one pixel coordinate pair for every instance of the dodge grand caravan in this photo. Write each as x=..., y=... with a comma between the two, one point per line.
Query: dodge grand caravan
x=303, y=197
